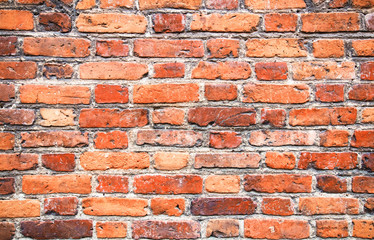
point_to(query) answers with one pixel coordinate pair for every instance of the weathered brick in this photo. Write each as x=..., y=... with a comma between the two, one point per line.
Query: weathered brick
x=109, y=206
x=220, y=92
x=328, y=48
x=6, y=186
x=112, y=48
x=282, y=138
x=111, y=229
x=177, y=184
x=222, y=70
x=21, y=162
x=170, y=207
x=224, y=140
x=367, y=71
x=276, y=47
x=7, y=230
x=185, y=4
x=222, y=48
x=334, y=138
x=222, y=228
x=222, y=184
x=112, y=184
x=361, y=92
x=280, y=22
x=330, y=93
x=272, y=183
x=60, y=71
x=276, y=228
x=368, y=161
x=59, y=162
x=63, y=206
x=221, y=4
x=7, y=141
x=113, y=160
x=228, y=160
x=16, y=20
x=168, y=48
x=111, y=140
x=170, y=160
x=19, y=208
x=330, y=22
x=369, y=20
x=169, y=70
x=8, y=46
x=17, y=116
x=173, y=116
x=328, y=161
x=112, y=70
x=57, y=117
x=274, y=4
x=363, y=228
x=363, y=138
x=111, y=23
x=54, y=138
x=278, y=160
x=271, y=93
x=273, y=117
x=116, y=4
x=363, y=48
x=332, y=228
x=165, y=23
x=363, y=3
x=85, y=4
x=166, y=93
x=331, y=184
x=363, y=184
x=369, y=205
x=277, y=206
x=222, y=206
x=111, y=94
x=7, y=92
x=271, y=71
x=57, y=229
x=338, y=3
x=178, y=138
x=153, y=229
x=230, y=22
x=323, y=70
x=60, y=22
x=18, y=70
x=328, y=205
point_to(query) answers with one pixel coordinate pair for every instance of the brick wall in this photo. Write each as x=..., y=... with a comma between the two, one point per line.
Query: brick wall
x=186, y=119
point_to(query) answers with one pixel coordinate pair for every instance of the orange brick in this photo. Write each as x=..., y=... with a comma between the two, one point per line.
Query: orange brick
x=111, y=229
x=113, y=160
x=328, y=48
x=108, y=206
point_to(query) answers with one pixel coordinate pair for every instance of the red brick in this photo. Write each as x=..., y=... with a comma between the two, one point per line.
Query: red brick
x=363, y=184
x=361, y=92
x=111, y=23
x=7, y=92
x=112, y=48
x=185, y=4
x=7, y=141
x=64, y=206
x=280, y=22
x=230, y=22
x=168, y=48
x=18, y=161
x=338, y=3
x=282, y=138
x=330, y=93
x=276, y=228
x=323, y=70
x=166, y=93
x=276, y=47
x=222, y=48
x=322, y=116
x=363, y=48
x=220, y=92
x=331, y=184
x=114, y=160
x=153, y=229
x=49, y=94
x=170, y=160
x=46, y=184
x=223, y=206
x=111, y=94
x=363, y=3
x=271, y=71
x=8, y=46
x=334, y=138
x=60, y=22
x=328, y=48
x=277, y=206
x=274, y=4
x=227, y=160
x=59, y=162
x=367, y=71
x=324, y=205
x=111, y=229
x=224, y=140
x=57, y=229
x=18, y=70
x=368, y=161
x=363, y=228
x=7, y=230
x=112, y=184
x=177, y=184
x=59, y=71
x=166, y=206
x=222, y=184
x=111, y=140
x=173, y=116
x=330, y=22
x=19, y=208
x=54, y=139
x=278, y=160
x=107, y=118
x=165, y=23
x=32, y=2
x=16, y=20
x=6, y=187
x=278, y=183
x=363, y=138
x=224, y=117
x=113, y=70
x=222, y=228
x=271, y=93
x=369, y=205
x=222, y=70
x=273, y=117
x=328, y=161
x=222, y=4
x=56, y=47
x=17, y=117
x=116, y=4
x=332, y=228
x=169, y=70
